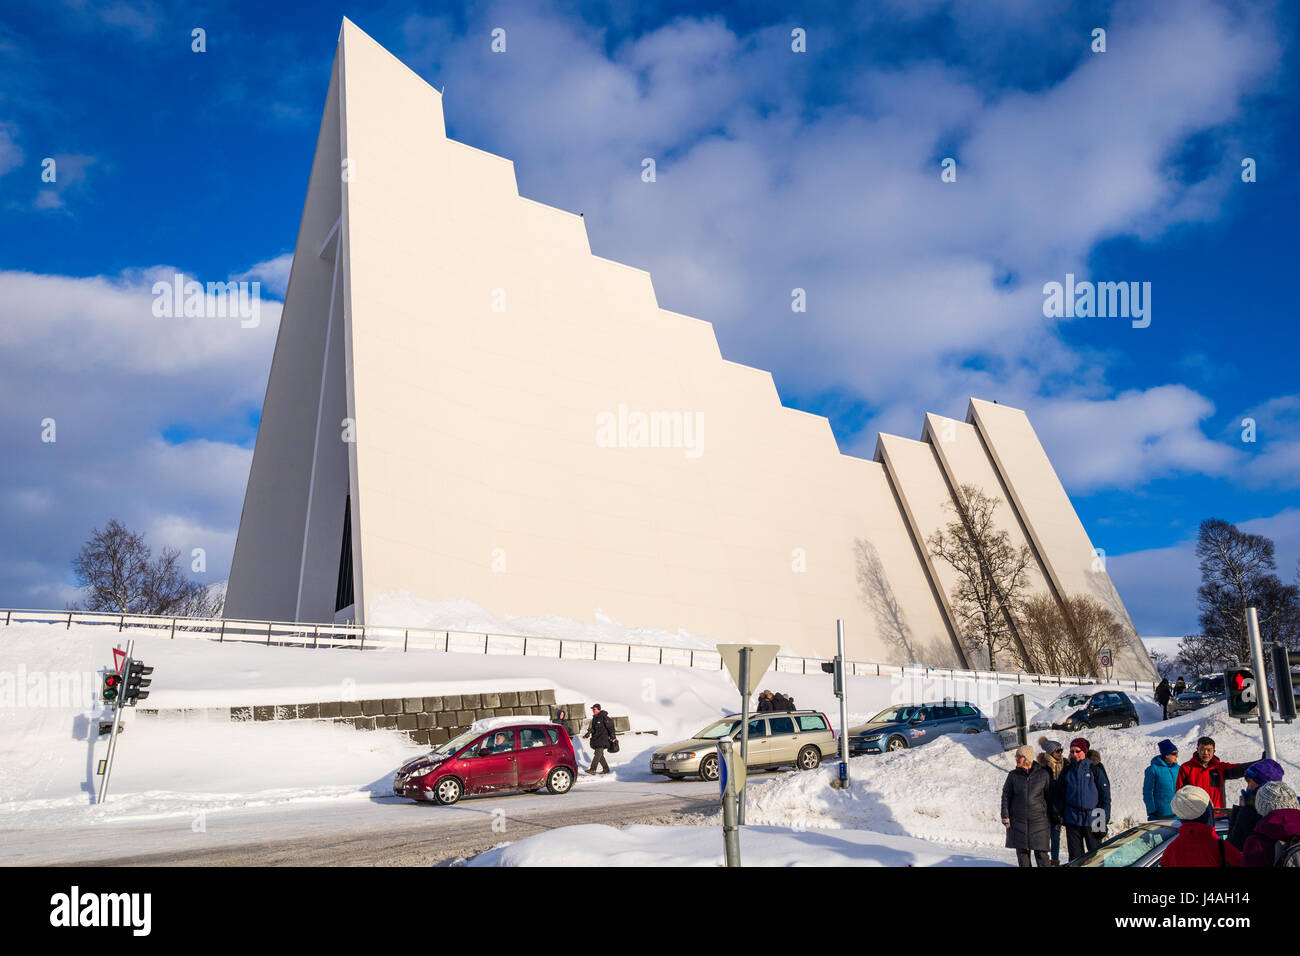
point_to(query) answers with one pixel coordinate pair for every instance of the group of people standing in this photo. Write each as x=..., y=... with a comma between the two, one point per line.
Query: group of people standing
x=768, y=701
x=1049, y=791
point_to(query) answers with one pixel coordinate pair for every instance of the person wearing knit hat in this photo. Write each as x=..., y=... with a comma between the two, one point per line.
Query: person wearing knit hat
x=1083, y=799
x=1025, y=808
x=1052, y=759
x=1158, y=783
x=1245, y=817
x=1276, y=840
x=1197, y=843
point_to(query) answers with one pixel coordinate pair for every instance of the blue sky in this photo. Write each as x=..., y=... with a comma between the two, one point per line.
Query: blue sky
x=776, y=170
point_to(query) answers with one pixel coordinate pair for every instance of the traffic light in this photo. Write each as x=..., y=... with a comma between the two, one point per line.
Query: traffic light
x=1240, y=683
x=111, y=691
x=836, y=668
x=1283, y=661
x=137, y=677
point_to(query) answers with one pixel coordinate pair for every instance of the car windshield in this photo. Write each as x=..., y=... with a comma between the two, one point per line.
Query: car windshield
x=1070, y=701
x=718, y=730
x=1207, y=685
x=1127, y=848
x=895, y=715
x=451, y=746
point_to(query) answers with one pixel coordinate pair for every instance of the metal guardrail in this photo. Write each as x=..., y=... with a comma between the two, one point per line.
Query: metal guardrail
x=372, y=637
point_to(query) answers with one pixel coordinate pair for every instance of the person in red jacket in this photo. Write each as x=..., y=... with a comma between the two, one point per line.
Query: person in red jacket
x=1208, y=772
x=1197, y=844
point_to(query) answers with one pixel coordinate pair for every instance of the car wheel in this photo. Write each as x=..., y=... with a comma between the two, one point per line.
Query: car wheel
x=1131, y=722
x=809, y=758
x=1084, y=726
x=448, y=791
x=709, y=767
x=970, y=730
x=895, y=743
x=559, y=780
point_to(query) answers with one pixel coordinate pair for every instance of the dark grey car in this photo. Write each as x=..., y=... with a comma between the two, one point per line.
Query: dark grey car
x=1204, y=691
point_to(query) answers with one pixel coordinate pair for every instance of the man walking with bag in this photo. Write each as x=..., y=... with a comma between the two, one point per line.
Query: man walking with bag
x=601, y=733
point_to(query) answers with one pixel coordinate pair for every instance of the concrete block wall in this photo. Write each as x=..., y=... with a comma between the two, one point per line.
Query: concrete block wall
x=426, y=720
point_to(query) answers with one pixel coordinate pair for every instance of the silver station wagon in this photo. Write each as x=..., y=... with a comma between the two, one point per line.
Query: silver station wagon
x=798, y=738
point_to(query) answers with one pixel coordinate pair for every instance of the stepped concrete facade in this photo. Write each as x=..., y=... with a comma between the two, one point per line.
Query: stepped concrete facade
x=466, y=403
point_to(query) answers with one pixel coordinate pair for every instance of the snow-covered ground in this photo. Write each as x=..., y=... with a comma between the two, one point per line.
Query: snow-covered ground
x=944, y=794
x=594, y=845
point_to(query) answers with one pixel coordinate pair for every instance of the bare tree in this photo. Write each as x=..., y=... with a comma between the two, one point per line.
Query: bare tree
x=1068, y=638
x=1237, y=573
x=1197, y=655
x=119, y=573
x=992, y=575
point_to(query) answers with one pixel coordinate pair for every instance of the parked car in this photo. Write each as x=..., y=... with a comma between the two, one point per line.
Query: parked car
x=1087, y=707
x=493, y=756
x=800, y=738
x=1142, y=845
x=914, y=724
x=1204, y=691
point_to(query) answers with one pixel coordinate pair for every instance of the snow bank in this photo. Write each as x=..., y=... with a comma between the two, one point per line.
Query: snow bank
x=950, y=789
x=597, y=845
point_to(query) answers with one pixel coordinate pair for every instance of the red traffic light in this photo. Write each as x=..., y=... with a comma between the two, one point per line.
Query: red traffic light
x=1239, y=681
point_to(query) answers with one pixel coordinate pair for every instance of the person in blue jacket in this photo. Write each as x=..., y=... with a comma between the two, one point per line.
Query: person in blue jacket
x=1083, y=799
x=1158, y=784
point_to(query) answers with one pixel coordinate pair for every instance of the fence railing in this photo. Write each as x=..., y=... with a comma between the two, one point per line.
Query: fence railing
x=375, y=637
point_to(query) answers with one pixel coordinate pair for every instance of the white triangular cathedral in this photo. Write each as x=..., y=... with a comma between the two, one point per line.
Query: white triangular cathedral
x=465, y=403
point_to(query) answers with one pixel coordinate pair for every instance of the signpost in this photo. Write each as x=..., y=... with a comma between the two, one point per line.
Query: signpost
x=1009, y=721
x=731, y=784
x=1106, y=661
x=836, y=668
x=746, y=663
x=106, y=765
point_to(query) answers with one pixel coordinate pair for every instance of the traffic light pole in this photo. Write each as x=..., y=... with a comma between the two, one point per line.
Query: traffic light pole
x=117, y=723
x=744, y=724
x=1261, y=685
x=844, y=706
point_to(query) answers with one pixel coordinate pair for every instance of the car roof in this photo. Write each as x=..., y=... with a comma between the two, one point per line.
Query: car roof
x=754, y=714
x=489, y=724
x=937, y=703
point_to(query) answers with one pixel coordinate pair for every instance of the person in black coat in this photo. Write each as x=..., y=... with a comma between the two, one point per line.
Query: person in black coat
x=1025, y=808
x=1244, y=817
x=764, y=701
x=1163, y=693
x=601, y=733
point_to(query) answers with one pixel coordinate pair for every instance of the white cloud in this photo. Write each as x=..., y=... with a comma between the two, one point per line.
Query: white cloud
x=273, y=274
x=88, y=354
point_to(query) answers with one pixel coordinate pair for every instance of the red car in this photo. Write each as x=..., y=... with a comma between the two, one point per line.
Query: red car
x=492, y=759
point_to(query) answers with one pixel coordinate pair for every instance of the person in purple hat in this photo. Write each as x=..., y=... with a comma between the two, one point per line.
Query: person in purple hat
x=1244, y=817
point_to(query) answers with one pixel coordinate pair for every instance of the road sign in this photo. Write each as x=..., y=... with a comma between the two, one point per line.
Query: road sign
x=119, y=656
x=731, y=769
x=761, y=657
x=1105, y=658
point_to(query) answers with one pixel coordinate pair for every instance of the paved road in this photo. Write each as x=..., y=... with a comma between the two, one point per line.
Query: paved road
x=381, y=831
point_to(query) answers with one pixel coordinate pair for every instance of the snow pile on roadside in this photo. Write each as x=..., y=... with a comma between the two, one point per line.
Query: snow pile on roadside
x=638, y=845
x=403, y=609
x=950, y=789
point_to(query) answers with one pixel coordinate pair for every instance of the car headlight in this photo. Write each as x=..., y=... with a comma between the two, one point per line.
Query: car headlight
x=682, y=755
x=870, y=737
x=419, y=770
